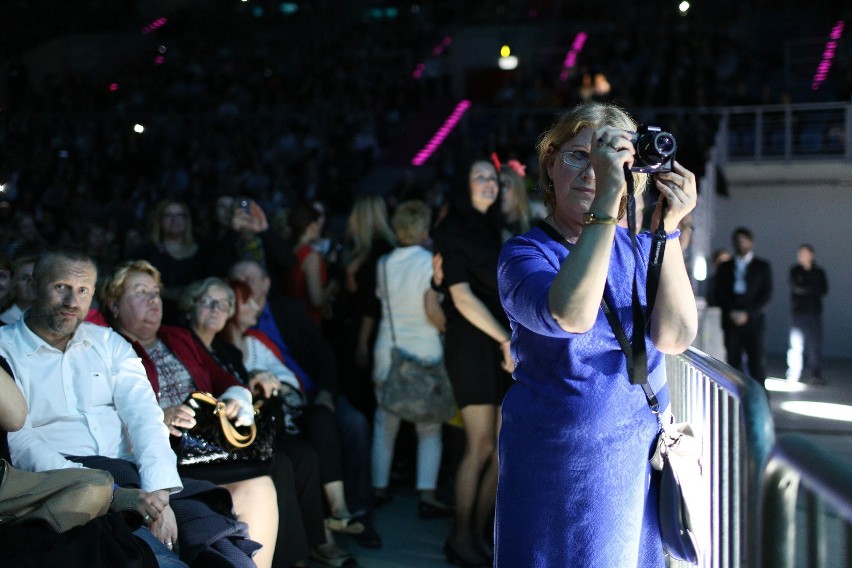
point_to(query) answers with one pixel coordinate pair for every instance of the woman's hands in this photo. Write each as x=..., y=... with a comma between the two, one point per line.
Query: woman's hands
x=611, y=149
x=679, y=190
x=508, y=363
x=178, y=418
x=267, y=384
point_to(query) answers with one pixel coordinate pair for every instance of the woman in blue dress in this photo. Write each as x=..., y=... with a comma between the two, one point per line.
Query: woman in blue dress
x=575, y=485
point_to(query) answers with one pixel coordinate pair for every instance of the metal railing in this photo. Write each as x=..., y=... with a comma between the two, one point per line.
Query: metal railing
x=806, y=485
x=731, y=415
x=752, y=481
x=786, y=132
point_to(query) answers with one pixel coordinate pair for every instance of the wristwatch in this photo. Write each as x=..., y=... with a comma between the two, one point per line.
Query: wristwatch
x=592, y=219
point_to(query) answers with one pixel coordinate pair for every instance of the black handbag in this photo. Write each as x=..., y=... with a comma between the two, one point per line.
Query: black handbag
x=415, y=390
x=215, y=440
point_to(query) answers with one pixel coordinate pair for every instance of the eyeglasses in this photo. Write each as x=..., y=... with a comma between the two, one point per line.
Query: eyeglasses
x=213, y=305
x=169, y=215
x=577, y=159
x=484, y=179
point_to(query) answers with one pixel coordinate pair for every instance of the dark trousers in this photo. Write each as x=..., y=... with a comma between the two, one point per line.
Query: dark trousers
x=357, y=452
x=747, y=340
x=295, y=471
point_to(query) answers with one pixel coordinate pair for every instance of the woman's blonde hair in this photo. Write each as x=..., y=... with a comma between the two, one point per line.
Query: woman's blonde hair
x=195, y=290
x=592, y=115
x=113, y=287
x=368, y=220
x=410, y=220
x=156, y=229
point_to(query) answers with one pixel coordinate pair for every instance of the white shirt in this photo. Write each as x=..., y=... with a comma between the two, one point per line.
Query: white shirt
x=740, y=267
x=258, y=357
x=409, y=272
x=93, y=399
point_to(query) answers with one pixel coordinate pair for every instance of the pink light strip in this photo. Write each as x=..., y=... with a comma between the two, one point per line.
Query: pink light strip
x=571, y=57
x=436, y=51
x=158, y=23
x=827, y=55
x=441, y=134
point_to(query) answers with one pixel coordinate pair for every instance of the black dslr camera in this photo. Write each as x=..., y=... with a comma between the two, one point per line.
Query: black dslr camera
x=655, y=150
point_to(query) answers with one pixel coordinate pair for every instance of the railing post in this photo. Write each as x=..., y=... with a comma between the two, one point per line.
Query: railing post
x=788, y=133
x=816, y=531
x=847, y=140
x=758, y=135
x=781, y=487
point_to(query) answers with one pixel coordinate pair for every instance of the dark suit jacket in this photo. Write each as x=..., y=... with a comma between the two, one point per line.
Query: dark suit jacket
x=758, y=289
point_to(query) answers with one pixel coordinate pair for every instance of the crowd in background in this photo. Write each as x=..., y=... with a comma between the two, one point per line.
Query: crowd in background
x=245, y=106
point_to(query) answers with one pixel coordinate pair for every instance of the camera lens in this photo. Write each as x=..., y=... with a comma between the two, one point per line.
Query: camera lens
x=664, y=144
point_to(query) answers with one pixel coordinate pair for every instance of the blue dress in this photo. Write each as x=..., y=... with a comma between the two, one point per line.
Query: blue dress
x=575, y=485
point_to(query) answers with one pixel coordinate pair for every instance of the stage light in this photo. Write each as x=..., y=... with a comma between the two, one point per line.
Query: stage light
x=507, y=63
x=699, y=268
x=138, y=128
x=683, y=7
x=825, y=410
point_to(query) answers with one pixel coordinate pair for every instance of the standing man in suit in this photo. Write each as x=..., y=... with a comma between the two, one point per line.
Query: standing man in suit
x=743, y=288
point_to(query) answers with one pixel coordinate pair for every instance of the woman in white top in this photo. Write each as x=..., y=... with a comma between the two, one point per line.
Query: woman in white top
x=403, y=284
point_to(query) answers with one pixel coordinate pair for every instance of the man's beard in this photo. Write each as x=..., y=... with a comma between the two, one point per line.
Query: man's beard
x=59, y=325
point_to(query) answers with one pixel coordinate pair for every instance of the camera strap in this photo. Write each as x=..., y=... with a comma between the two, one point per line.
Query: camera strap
x=637, y=355
x=634, y=350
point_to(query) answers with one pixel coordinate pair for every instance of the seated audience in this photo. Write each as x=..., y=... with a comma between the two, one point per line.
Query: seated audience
x=176, y=367
x=304, y=350
x=89, y=400
x=207, y=305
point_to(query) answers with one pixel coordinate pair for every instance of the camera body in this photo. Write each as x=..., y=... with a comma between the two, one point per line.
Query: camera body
x=655, y=150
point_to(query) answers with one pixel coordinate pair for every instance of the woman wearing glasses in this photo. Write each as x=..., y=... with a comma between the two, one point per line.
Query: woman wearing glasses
x=575, y=481
x=476, y=354
x=219, y=315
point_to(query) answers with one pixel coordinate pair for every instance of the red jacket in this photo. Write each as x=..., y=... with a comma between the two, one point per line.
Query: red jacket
x=207, y=375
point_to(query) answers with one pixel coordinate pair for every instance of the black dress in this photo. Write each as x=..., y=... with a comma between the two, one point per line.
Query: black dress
x=470, y=246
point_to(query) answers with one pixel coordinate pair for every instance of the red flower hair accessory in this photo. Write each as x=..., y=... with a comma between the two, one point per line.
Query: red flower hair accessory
x=517, y=167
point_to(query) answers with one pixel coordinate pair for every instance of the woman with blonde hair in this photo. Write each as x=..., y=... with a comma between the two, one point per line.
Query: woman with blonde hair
x=575, y=483
x=368, y=236
x=413, y=321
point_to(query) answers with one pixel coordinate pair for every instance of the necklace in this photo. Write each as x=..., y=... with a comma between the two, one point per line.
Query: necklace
x=551, y=220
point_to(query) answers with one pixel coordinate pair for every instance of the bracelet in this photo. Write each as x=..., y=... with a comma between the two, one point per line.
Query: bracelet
x=673, y=235
x=594, y=219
